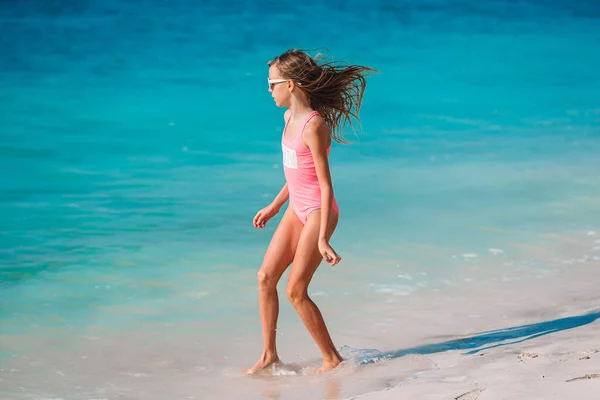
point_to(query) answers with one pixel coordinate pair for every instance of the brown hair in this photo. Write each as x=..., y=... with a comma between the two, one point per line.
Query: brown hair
x=334, y=89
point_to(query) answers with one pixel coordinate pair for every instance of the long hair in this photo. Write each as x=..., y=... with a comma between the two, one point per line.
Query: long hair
x=335, y=90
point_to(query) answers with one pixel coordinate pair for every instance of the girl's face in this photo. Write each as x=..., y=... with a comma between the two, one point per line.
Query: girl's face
x=280, y=88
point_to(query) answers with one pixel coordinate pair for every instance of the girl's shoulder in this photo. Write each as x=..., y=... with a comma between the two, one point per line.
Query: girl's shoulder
x=316, y=129
x=317, y=123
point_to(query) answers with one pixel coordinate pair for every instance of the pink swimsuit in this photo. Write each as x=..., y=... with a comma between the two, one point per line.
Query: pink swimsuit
x=300, y=174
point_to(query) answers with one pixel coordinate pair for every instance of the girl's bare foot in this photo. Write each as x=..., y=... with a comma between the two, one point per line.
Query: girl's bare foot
x=328, y=365
x=265, y=361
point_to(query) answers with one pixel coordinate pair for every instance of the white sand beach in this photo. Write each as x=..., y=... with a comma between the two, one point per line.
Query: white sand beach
x=535, y=339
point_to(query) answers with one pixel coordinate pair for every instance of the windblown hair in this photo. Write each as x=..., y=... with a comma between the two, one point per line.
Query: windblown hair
x=335, y=90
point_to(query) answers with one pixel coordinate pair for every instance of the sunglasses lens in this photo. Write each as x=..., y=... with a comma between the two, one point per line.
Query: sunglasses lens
x=274, y=82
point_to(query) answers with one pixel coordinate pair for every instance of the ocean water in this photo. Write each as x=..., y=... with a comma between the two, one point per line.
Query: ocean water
x=138, y=140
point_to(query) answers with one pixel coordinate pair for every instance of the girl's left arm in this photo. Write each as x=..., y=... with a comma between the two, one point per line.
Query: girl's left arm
x=317, y=139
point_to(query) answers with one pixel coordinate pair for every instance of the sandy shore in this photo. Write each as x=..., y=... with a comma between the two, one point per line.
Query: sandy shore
x=558, y=366
x=536, y=339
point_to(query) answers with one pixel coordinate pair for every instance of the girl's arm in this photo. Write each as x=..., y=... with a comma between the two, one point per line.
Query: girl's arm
x=317, y=138
x=263, y=216
x=281, y=198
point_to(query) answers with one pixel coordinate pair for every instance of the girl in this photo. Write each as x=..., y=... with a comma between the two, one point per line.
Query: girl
x=317, y=98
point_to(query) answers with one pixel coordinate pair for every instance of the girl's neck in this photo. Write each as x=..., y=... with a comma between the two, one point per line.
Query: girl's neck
x=299, y=109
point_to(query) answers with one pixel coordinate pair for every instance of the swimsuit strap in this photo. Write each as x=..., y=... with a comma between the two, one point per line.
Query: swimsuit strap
x=308, y=118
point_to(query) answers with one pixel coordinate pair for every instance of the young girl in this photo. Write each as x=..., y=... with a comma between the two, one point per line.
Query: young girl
x=317, y=98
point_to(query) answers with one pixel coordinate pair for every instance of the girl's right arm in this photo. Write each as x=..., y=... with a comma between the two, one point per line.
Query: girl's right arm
x=281, y=198
x=261, y=217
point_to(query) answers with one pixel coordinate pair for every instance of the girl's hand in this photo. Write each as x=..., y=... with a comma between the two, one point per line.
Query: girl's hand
x=262, y=216
x=328, y=252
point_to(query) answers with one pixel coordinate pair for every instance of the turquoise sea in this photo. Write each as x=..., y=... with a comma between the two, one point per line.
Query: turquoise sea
x=138, y=139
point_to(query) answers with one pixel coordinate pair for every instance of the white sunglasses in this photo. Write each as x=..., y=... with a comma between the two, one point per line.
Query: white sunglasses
x=272, y=82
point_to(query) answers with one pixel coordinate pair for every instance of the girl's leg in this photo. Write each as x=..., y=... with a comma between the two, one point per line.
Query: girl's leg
x=305, y=263
x=278, y=257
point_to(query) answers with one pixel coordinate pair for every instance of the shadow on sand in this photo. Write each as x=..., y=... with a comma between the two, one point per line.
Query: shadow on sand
x=500, y=337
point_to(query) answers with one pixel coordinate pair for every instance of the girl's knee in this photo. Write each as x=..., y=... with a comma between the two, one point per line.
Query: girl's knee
x=266, y=280
x=296, y=293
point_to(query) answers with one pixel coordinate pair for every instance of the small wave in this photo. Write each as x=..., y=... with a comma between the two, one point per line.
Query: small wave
x=283, y=370
x=496, y=252
x=361, y=356
x=395, y=289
